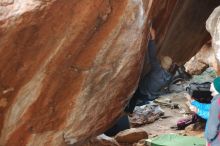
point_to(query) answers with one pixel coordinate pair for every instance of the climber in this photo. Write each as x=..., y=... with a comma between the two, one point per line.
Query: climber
x=159, y=76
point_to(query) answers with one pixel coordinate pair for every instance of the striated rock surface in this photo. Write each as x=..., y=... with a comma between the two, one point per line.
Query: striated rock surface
x=67, y=67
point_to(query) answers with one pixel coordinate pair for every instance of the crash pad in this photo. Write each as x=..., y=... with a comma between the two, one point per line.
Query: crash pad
x=175, y=140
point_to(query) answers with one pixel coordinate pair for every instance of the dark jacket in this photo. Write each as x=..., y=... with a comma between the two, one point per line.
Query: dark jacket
x=213, y=124
x=157, y=78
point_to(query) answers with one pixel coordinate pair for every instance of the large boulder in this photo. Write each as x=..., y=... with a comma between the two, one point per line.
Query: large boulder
x=213, y=26
x=67, y=67
x=131, y=136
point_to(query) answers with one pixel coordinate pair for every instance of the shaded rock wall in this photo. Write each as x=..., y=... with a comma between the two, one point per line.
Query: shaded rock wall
x=64, y=65
x=180, y=27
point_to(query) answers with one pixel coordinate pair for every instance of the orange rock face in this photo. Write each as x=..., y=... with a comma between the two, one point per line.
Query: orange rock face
x=67, y=67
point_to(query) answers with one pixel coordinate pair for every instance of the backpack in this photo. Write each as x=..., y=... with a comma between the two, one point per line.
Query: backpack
x=200, y=91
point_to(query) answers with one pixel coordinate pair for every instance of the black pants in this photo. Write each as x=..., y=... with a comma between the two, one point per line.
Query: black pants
x=137, y=99
x=121, y=125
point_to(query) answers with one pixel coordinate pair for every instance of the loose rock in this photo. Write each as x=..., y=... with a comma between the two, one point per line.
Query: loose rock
x=131, y=135
x=102, y=140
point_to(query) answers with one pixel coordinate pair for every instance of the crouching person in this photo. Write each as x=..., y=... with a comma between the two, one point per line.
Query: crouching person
x=201, y=109
x=212, y=131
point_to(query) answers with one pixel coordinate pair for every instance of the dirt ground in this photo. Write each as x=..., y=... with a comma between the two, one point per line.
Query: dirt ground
x=163, y=125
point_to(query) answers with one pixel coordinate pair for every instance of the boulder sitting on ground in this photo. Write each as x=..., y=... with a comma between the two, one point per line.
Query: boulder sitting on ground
x=201, y=61
x=102, y=140
x=132, y=135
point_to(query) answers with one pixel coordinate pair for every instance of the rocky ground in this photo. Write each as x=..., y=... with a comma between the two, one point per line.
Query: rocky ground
x=163, y=125
x=171, y=116
x=173, y=106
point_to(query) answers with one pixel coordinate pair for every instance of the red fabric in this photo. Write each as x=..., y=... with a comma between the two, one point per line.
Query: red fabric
x=219, y=101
